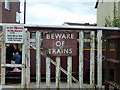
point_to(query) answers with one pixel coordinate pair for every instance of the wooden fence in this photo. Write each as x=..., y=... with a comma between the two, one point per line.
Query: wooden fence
x=69, y=62
x=26, y=59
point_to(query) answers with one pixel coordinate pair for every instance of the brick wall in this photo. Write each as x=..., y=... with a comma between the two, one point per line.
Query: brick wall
x=9, y=16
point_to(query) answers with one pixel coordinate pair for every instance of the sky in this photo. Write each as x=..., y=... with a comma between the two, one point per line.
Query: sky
x=57, y=12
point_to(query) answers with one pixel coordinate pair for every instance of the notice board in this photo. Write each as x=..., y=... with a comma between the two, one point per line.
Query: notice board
x=14, y=33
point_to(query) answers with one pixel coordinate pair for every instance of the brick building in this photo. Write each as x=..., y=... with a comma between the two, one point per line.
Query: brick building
x=9, y=11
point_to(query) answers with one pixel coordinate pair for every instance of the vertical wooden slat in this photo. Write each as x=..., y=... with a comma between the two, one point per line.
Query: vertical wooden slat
x=99, y=58
x=81, y=36
x=3, y=59
x=57, y=72
x=38, y=57
x=28, y=60
x=3, y=69
x=92, y=59
x=69, y=70
x=47, y=72
x=23, y=76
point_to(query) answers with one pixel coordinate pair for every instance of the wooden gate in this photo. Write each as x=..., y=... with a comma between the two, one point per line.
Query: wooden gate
x=69, y=62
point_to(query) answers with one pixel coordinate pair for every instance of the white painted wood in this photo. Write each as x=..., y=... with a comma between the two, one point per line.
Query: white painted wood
x=23, y=76
x=92, y=59
x=99, y=58
x=57, y=72
x=69, y=70
x=81, y=36
x=54, y=63
x=63, y=70
x=12, y=65
x=28, y=60
x=3, y=59
x=47, y=72
x=38, y=59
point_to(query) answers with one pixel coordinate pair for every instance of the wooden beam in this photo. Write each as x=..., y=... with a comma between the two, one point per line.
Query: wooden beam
x=69, y=71
x=81, y=36
x=92, y=59
x=12, y=65
x=57, y=72
x=28, y=60
x=113, y=61
x=47, y=72
x=3, y=58
x=99, y=58
x=38, y=59
x=23, y=76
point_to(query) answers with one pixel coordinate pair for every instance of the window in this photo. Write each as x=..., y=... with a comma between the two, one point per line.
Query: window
x=17, y=17
x=7, y=4
x=33, y=35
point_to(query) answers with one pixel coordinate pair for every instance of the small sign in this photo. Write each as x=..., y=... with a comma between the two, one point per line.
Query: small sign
x=14, y=34
x=60, y=44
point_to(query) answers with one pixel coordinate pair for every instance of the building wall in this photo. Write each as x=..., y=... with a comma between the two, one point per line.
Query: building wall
x=0, y=11
x=119, y=8
x=105, y=10
x=9, y=16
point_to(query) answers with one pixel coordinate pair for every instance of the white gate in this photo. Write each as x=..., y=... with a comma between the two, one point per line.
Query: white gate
x=69, y=62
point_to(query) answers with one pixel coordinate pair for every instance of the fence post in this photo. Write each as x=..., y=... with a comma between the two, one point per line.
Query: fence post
x=99, y=58
x=3, y=59
x=81, y=36
x=38, y=59
x=47, y=72
x=69, y=70
x=57, y=72
x=92, y=59
x=28, y=59
x=23, y=76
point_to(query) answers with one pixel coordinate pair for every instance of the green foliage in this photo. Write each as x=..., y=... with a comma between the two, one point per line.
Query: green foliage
x=116, y=21
x=112, y=23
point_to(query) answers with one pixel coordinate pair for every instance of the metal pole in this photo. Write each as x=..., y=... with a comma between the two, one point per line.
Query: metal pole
x=24, y=11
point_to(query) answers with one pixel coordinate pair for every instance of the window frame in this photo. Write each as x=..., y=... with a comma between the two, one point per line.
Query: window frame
x=7, y=4
x=17, y=17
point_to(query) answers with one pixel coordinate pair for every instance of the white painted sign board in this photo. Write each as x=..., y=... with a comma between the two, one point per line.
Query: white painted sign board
x=14, y=33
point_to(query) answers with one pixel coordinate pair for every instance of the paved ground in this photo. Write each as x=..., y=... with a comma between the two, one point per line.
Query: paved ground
x=43, y=85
